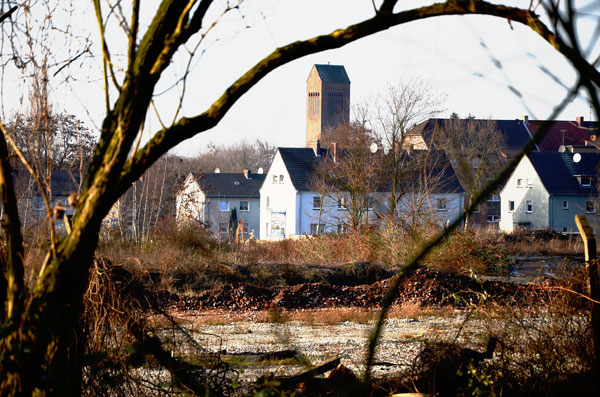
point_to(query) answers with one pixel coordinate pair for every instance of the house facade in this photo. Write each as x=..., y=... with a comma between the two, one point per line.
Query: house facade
x=547, y=190
x=212, y=199
x=292, y=206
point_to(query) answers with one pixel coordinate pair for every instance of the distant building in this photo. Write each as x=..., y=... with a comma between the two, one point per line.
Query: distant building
x=546, y=191
x=327, y=100
x=289, y=207
x=210, y=198
x=577, y=136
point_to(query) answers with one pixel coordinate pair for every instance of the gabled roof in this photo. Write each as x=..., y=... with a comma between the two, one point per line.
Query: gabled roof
x=229, y=184
x=558, y=172
x=574, y=134
x=514, y=132
x=63, y=183
x=332, y=74
x=301, y=164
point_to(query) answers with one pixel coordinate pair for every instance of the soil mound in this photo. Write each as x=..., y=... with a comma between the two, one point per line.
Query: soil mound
x=424, y=287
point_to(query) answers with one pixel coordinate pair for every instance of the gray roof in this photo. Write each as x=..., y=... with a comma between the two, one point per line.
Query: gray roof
x=229, y=184
x=558, y=172
x=513, y=131
x=332, y=74
x=63, y=183
x=301, y=164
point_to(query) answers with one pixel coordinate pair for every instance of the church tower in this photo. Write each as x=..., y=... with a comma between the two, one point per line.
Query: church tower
x=327, y=100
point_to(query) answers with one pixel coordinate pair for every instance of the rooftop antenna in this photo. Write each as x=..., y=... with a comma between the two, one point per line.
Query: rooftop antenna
x=563, y=134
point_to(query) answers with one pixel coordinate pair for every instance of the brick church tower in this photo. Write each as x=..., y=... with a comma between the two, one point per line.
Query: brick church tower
x=327, y=100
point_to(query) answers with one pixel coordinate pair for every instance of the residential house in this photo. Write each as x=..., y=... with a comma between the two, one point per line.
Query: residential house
x=578, y=135
x=546, y=190
x=291, y=206
x=210, y=198
x=515, y=136
x=32, y=209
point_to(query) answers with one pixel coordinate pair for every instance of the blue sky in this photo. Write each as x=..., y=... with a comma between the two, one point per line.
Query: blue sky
x=471, y=60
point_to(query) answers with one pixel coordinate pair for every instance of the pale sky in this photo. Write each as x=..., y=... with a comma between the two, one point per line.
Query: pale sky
x=471, y=60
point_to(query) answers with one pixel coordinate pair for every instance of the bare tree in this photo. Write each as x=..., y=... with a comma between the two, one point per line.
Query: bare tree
x=396, y=111
x=37, y=339
x=474, y=148
x=352, y=175
x=236, y=157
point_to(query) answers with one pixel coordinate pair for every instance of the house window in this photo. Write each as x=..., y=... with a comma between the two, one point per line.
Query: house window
x=493, y=219
x=477, y=209
x=442, y=205
x=223, y=229
x=38, y=204
x=565, y=204
x=316, y=202
x=519, y=182
x=590, y=208
x=244, y=206
x=267, y=229
x=341, y=228
x=316, y=228
x=223, y=205
x=335, y=102
x=268, y=202
x=586, y=181
x=529, y=206
x=274, y=178
x=529, y=182
x=495, y=198
x=341, y=203
x=565, y=229
x=511, y=206
x=281, y=178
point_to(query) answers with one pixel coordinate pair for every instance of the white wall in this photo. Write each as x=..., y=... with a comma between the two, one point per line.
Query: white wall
x=533, y=190
x=282, y=205
x=189, y=203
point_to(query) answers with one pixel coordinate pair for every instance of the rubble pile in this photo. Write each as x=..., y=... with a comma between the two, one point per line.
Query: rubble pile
x=423, y=287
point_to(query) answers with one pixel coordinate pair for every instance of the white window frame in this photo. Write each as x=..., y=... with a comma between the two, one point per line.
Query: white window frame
x=221, y=205
x=588, y=181
x=341, y=203
x=589, y=203
x=520, y=182
x=529, y=206
x=511, y=203
x=316, y=227
x=281, y=178
x=341, y=228
x=495, y=198
x=317, y=199
x=442, y=204
x=494, y=218
x=274, y=178
x=565, y=205
x=247, y=205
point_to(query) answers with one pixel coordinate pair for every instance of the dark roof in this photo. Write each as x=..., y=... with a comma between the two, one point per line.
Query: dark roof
x=574, y=134
x=440, y=170
x=301, y=164
x=229, y=184
x=514, y=132
x=332, y=74
x=63, y=183
x=558, y=172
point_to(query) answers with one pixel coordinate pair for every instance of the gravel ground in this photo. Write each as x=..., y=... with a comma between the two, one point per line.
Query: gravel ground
x=401, y=341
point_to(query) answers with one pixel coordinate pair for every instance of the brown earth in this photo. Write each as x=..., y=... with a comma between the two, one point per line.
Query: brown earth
x=424, y=287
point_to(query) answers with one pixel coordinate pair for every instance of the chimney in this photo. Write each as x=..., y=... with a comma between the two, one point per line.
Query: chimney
x=248, y=174
x=316, y=146
x=334, y=151
x=579, y=120
x=525, y=119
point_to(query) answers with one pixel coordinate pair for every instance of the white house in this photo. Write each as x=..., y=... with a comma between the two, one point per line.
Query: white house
x=291, y=207
x=210, y=199
x=547, y=190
